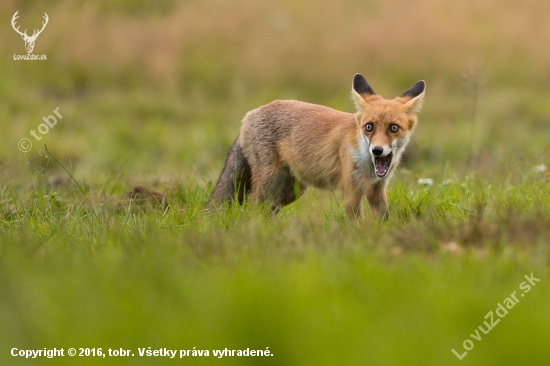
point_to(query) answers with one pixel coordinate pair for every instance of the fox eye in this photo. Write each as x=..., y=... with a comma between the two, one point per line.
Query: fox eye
x=394, y=128
x=369, y=127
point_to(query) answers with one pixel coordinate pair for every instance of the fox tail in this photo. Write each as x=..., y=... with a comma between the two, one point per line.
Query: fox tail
x=235, y=179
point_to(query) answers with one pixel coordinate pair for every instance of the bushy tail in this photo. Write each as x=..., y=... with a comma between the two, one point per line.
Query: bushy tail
x=234, y=181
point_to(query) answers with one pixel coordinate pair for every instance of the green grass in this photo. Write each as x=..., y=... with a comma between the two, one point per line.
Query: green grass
x=151, y=94
x=310, y=285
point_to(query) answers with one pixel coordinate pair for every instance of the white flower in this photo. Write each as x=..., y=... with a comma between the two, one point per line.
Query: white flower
x=540, y=168
x=428, y=182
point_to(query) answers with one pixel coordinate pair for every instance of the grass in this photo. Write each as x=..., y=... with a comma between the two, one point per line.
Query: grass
x=310, y=285
x=152, y=95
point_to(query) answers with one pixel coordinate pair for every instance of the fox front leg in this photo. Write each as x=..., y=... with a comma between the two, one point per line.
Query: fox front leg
x=376, y=196
x=353, y=203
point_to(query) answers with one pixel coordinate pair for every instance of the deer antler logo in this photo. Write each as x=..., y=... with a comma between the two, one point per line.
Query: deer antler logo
x=29, y=41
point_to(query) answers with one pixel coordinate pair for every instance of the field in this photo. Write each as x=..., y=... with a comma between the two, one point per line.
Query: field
x=152, y=94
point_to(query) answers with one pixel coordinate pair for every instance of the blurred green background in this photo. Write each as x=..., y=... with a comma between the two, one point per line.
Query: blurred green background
x=152, y=93
x=159, y=88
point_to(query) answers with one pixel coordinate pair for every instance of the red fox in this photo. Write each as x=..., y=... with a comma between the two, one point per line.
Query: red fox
x=287, y=145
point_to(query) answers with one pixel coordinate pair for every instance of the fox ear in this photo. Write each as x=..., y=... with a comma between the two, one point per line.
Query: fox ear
x=416, y=96
x=360, y=89
x=360, y=85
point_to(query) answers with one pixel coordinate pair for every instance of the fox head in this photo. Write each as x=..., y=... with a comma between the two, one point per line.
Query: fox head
x=385, y=125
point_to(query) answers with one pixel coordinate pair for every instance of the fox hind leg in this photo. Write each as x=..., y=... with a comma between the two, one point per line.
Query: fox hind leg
x=278, y=188
x=289, y=191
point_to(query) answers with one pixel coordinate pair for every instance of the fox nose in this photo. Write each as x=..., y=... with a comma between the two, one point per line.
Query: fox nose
x=377, y=150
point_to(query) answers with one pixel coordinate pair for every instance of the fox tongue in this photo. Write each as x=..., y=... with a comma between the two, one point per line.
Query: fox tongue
x=382, y=164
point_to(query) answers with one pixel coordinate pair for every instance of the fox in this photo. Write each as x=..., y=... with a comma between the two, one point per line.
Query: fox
x=287, y=145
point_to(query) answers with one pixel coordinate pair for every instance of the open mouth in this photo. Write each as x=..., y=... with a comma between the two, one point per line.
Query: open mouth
x=382, y=165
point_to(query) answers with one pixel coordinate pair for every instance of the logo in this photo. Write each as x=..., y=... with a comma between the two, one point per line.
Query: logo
x=29, y=40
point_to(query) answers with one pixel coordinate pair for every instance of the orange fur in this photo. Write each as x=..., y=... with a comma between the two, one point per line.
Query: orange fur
x=289, y=145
